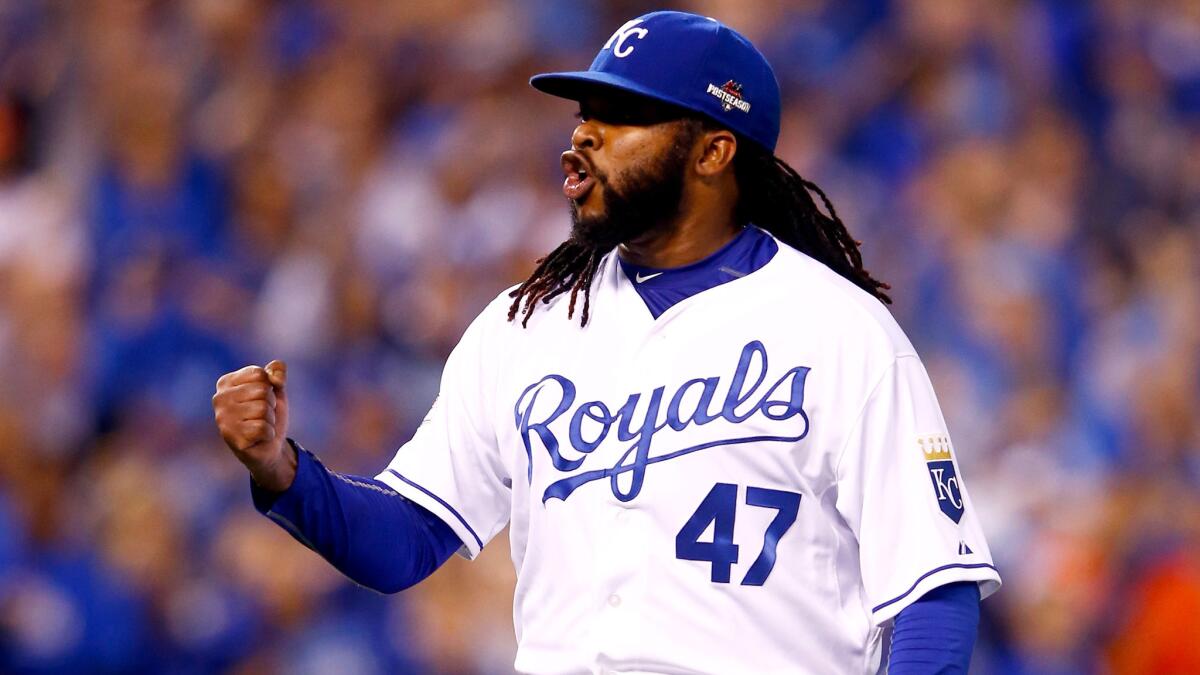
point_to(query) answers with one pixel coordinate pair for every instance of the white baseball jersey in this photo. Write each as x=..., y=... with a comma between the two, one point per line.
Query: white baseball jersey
x=754, y=481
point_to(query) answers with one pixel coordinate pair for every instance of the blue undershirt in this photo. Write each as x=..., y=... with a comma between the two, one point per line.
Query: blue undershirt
x=662, y=289
x=360, y=525
x=936, y=634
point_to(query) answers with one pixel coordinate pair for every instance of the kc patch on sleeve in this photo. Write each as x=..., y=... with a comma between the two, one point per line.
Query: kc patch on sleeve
x=940, y=462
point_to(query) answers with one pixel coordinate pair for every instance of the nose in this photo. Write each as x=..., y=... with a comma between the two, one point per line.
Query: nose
x=586, y=135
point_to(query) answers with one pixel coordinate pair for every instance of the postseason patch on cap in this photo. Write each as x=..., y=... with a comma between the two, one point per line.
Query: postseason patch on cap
x=730, y=96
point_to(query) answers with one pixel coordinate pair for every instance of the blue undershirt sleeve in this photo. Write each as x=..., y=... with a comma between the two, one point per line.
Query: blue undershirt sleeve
x=360, y=525
x=936, y=634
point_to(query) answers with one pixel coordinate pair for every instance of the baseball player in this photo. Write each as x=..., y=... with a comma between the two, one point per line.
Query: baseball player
x=714, y=448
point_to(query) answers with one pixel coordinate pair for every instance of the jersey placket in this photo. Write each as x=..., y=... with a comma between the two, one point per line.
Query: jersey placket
x=619, y=629
x=623, y=555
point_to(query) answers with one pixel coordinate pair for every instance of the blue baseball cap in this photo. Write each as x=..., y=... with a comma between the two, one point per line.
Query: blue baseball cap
x=689, y=61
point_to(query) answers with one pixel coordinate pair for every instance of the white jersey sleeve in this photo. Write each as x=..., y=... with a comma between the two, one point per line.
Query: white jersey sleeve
x=901, y=493
x=452, y=466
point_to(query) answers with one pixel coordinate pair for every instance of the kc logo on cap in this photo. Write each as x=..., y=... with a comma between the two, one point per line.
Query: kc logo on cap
x=621, y=50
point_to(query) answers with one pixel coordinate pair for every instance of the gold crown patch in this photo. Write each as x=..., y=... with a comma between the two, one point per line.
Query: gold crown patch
x=934, y=447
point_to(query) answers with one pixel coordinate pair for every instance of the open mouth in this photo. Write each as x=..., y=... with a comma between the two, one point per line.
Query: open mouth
x=579, y=180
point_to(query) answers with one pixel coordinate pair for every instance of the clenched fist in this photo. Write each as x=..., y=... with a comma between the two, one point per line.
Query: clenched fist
x=252, y=415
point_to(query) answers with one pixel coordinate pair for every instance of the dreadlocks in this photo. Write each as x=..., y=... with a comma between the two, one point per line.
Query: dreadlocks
x=776, y=198
x=570, y=267
x=770, y=194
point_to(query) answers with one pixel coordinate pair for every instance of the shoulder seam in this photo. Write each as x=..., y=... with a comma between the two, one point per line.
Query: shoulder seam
x=837, y=471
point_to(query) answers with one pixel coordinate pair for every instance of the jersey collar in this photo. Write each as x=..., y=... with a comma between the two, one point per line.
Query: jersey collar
x=662, y=288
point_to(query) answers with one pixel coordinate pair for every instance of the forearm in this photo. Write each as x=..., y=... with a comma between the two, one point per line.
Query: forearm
x=360, y=525
x=936, y=634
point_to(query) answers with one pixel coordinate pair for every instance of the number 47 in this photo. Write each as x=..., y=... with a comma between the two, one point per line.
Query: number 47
x=720, y=509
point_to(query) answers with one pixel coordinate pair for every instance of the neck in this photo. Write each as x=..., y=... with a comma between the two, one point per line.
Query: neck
x=689, y=238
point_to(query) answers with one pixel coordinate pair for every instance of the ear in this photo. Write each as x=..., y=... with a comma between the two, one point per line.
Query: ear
x=717, y=150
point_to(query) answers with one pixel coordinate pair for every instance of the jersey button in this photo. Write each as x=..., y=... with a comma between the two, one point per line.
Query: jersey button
x=614, y=600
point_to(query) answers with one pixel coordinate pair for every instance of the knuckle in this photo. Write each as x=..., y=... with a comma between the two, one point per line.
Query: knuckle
x=254, y=430
x=249, y=374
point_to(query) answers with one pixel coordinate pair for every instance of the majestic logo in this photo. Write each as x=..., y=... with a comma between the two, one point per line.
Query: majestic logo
x=621, y=50
x=730, y=96
x=941, y=470
x=693, y=403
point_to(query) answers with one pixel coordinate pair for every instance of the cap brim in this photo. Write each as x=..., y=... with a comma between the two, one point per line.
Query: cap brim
x=578, y=85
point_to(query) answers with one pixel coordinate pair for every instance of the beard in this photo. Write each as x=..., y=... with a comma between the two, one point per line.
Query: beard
x=648, y=198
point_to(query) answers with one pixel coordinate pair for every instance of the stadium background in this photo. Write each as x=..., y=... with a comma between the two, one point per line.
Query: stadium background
x=187, y=187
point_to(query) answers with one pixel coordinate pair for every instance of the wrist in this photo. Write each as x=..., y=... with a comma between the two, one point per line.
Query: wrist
x=277, y=474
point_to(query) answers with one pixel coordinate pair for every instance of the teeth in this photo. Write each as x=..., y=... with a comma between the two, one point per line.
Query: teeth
x=582, y=174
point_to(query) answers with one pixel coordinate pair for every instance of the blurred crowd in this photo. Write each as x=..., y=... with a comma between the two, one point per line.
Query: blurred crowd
x=190, y=186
